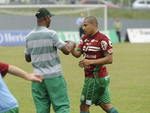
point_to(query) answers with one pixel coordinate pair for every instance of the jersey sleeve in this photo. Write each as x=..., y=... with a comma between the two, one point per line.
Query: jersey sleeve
x=26, y=50
x=57, y=42
x=3, y=68
x=106, y=46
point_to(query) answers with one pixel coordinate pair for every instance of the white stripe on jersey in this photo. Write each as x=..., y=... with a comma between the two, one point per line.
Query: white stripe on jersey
x=43, y=57
x=40, y=43
x=93, y=47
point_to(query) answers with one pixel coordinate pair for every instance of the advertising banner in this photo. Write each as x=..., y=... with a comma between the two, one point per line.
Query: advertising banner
x=12, y=38
x=139, y=35
x=17, y=37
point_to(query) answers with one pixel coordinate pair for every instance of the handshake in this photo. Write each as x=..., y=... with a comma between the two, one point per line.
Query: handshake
x=70, y=45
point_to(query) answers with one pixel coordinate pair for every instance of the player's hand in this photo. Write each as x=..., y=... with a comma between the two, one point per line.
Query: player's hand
x=84, y=63
x=35, y=78
x=70, y=45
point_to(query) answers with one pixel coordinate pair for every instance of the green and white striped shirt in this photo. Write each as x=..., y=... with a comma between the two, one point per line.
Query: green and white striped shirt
x=41, y=45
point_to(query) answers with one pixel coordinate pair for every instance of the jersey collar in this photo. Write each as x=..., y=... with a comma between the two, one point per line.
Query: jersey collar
x=92, y=36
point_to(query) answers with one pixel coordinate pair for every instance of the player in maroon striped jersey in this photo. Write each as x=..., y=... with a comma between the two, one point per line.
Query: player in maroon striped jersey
x=96, y=49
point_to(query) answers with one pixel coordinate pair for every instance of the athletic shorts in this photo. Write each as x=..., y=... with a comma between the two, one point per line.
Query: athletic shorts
x=14, y=110
x=95, y=91
x=51, y=91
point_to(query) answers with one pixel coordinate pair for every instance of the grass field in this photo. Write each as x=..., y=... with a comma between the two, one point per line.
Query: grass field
x=130, y=78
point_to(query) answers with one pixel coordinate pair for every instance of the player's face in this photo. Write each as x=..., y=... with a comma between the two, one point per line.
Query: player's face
x=88, y=27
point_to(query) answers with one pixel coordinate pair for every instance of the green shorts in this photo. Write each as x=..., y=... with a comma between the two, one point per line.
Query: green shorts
x=14, y=110
x=95, y=91
x=51, y=91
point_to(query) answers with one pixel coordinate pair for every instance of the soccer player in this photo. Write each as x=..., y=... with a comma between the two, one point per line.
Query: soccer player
x=41, y=51
x=8, y=103
x=96, y=49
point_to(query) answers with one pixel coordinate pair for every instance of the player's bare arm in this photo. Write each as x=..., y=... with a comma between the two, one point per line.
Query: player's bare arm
x=23, y=74
x=28, y=58
x=76, y=53
x=101, y=61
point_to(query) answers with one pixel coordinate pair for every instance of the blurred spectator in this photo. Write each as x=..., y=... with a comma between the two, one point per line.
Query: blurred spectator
x=79, y=22
x=118, y=26
x=72, y=1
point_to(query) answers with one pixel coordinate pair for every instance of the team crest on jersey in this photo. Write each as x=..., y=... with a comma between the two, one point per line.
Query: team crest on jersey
x=104, y=45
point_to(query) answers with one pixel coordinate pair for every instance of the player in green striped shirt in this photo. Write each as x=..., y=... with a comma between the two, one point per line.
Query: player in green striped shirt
x=41, y=51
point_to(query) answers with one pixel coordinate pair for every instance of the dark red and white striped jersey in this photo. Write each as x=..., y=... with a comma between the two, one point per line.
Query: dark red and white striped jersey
x=95, y=47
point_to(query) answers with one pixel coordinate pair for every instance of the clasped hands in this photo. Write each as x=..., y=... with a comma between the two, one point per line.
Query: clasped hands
x=70, y=45
x=85, y=63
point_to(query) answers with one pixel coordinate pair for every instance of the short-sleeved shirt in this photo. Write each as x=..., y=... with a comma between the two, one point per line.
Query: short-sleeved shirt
x=117, y=26
x=79, y=21
x=95, y=47
x=41, y=45
x=7, y=100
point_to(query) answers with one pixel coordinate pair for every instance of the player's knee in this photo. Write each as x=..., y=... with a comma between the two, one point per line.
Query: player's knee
x=84, y=107
x=106, y=107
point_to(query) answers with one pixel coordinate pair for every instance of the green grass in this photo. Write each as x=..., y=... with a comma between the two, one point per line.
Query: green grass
x=130, y=75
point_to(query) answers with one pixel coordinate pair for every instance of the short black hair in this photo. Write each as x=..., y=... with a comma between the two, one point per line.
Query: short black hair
x=42, y=12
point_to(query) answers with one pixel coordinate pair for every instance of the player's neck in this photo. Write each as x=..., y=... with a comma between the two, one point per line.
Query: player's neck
x=95, y=31
x=41, y=24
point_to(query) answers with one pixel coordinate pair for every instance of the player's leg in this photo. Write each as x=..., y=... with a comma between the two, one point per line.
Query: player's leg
x=119, y=36
x=14, y=110
x=108, y=108
x=104, y=100
x=57, y=90
x=104, y=97
x=87, y=95
x=41, y=97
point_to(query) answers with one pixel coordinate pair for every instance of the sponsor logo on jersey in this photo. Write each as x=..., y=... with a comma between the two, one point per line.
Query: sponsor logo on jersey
x=90, y=56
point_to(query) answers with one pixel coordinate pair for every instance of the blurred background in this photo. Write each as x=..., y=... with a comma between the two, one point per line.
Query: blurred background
x=119, y=3
x=132, y=14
